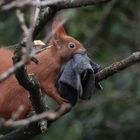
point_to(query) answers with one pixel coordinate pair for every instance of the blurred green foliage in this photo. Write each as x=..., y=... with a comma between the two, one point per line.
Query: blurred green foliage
x=114, y=112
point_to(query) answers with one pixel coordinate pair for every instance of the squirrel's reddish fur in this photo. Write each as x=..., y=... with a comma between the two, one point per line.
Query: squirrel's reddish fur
x=12, y=95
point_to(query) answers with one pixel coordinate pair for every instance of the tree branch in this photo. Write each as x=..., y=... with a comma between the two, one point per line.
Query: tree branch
x=58, y=4
x=64, y=4
x=44, y=19
x=118, y=66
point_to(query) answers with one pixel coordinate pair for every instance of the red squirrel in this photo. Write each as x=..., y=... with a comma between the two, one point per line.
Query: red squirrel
x=61, y=48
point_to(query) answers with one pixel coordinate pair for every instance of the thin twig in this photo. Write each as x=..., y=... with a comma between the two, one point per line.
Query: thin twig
x=21, y=20
x=35, y=16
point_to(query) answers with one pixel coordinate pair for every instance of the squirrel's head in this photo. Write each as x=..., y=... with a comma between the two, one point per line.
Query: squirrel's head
x=65, y=45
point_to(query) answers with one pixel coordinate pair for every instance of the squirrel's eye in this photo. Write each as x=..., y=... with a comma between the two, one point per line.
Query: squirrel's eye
x=71, y=45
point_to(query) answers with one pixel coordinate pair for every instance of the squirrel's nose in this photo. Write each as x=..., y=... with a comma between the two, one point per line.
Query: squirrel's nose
x=81, y=50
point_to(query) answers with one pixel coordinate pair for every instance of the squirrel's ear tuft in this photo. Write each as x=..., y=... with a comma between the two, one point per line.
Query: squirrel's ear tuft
x=58, y=29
